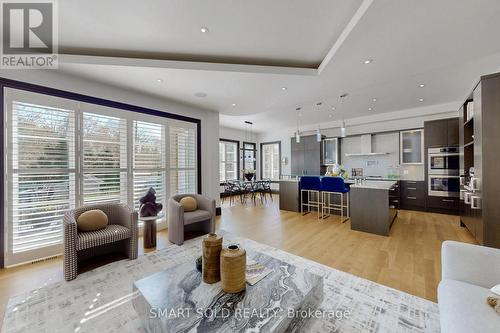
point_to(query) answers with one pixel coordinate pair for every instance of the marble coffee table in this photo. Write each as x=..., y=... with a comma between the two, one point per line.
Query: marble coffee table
x=177, y=300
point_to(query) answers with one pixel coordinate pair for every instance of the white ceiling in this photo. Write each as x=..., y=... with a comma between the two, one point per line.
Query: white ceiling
x=445, y=44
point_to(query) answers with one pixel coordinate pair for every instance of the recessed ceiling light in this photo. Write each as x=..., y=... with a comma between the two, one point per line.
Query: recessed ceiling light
x=204, y=29
x=420, y=99
x=374, y=99
x=369, y=109
x=159, y=80
x=283, y=88
x=200, y=94
x=421, y=85
x=368, y=61
x=234, y=104
x=333, y=108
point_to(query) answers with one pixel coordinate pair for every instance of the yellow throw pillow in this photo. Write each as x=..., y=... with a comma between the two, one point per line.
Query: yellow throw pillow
x=189, y=204
x=92, y=220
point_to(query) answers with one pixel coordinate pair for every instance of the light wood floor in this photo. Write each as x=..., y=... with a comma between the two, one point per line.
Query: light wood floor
x=407, y=260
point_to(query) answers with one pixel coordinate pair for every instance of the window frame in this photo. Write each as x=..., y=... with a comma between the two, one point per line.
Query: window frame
x=255, y=153
x=262, y=144
x=237, y=159
x=76, y=97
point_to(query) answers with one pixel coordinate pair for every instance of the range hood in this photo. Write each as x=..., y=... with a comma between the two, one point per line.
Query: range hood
x=366, y=147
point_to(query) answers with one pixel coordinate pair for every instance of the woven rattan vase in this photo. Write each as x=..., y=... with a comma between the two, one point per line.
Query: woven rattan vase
x=212, y=246
x=233, y=262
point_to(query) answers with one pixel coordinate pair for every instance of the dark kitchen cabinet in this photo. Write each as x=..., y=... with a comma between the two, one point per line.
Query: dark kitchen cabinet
x=306, y=156
x=480, y=211
x=441, y=133
x=412, y=195
x=435, y=133
x=297, y=157
x=452, y=132
x=443, y=204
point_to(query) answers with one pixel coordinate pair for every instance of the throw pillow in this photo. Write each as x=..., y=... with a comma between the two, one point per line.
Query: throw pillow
x=189, y=204
x=494, y=303
x=92, y=220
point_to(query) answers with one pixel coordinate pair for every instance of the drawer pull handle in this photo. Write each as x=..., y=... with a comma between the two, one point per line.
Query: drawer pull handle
x=448, y=200
x=412, y=198
x=411, y=182
x=412, y=188
x=395, y=200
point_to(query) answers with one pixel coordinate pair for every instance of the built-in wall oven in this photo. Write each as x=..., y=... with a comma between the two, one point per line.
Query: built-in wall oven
x=443, y=161
x=442, y=171
x=444, y=186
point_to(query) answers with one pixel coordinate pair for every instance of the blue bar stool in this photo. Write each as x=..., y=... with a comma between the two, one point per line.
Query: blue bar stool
x=331, y=186
x=312, y=186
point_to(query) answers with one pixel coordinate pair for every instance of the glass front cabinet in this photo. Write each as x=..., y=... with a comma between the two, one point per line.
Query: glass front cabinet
x=412, y=146
x=330, y=151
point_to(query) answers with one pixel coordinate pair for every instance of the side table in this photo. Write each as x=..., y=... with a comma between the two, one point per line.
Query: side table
x=149, y=231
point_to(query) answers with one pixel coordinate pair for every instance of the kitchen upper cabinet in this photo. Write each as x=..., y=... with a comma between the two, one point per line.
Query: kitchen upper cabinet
x=441, y=133
x=305, y=156
x=331, y=151
x=453, y=132
x=297, y=157
x=436, y=133
x=411, y=146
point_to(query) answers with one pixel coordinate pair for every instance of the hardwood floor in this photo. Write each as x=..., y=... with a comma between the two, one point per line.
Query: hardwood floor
x=408, y=260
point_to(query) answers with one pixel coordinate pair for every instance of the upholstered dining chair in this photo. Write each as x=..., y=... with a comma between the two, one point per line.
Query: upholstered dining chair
x=120, y=235
x=202, y=219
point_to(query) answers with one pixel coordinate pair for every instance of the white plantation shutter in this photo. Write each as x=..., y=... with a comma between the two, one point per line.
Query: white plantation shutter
x=63, y=154
x=271, y=160
x=149, y=160
x=42, y=162
x=228, y=160
x=182, y=160
x=104, y=159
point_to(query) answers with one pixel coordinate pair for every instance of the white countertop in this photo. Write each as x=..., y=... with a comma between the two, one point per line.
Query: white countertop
x=376, y=184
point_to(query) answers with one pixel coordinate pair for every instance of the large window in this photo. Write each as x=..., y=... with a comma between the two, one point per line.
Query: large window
x=63, y=154
x=271, y=160
x=249, y=156
x=228, y=160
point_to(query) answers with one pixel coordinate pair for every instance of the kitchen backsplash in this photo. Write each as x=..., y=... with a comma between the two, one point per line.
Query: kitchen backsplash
x=378, y=165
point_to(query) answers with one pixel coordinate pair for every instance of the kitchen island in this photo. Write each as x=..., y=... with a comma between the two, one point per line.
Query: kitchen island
x=370, y=207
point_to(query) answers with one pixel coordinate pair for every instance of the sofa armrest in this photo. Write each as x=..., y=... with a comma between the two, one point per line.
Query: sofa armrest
x=474, y=264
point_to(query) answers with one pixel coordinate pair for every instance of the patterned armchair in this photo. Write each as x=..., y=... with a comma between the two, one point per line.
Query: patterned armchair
x=119, y=236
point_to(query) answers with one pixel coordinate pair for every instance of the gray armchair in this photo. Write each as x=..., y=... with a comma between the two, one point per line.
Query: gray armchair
x=202, y=219
x=120, y=235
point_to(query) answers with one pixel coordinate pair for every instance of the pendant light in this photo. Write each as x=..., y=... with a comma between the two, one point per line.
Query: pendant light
x=249, y=139
x=297, y=137
x=318, y=131
x=297, y=133
x=343, y=130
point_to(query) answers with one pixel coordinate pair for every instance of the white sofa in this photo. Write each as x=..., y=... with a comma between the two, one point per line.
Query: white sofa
x=468, y=273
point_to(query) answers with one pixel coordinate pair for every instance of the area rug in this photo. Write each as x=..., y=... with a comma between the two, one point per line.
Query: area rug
x=100, y=300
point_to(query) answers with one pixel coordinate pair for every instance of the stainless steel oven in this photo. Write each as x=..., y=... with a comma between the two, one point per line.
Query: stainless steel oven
x=443, y=161
x=444, y=186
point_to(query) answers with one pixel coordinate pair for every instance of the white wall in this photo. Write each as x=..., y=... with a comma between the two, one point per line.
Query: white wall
x=385, y=122
x=209, y=119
